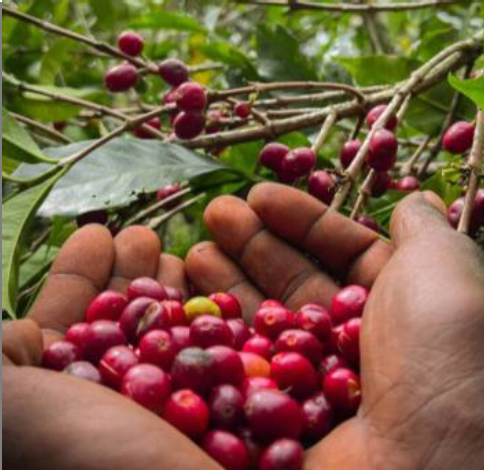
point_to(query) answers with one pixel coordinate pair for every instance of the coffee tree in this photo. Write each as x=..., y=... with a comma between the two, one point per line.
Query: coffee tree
x=133, y=112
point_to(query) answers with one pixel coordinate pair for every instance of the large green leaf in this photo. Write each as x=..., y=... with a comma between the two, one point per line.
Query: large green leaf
x=117, y=173
x=17, y=143
x=35, y=266
x=166, y=20
x=473, y=89
x=17, y=213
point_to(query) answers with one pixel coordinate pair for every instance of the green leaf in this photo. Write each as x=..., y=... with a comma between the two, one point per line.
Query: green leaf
x=165, y=20
x=54, y=59
x=115, y=174
x=473, y=89
x=378, y=69
x=17, y=213
x=17, y=143
x=36, y=265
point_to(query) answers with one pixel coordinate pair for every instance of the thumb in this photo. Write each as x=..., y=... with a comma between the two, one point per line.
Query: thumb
x=417, y=215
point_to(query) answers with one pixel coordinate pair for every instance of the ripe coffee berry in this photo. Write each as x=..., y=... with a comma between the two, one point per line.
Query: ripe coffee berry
x=318, y=417
x=167, y=191
x=229, y=368
x=130, y=43
x=188, y=125
x=170, y=97
x=213, y=121
x=102, y=335
x=243, y=109
x=114, y=364
x=108, y=305
x=260, y=345
x=228, y=303
x=122, y=77
x=342, y=388
x=458, y=137
x=382, y=154
x=141, y=315
x=253, y=384
x=454, y=212
x=156, y=347
x=255, y=365
x=173, y=71
x=322, y=186
x=284, y=454
x=294, y=373
x=348, y=303
x=191, y=97
x=302, y=342
x=254, y=449
x=174, y=315
x=272, y=154
x=60, y=354
x=77, y=334
x=147, y=385
x=146, y=287
x=240, y=331
x=298, y=162
x=408, y=183
x=206, y=331
x=83, y=370
x=332, y=362
x=349, y=340
x=331, y=346
x=195, y=369
x=272, y=321
x=272, y=415
x=142, y=133
x=348, y=152
x=368, y=222
x=226, y=406
x=226, y=449
x=381, y=184
x=376, y=112
x=174, y=294
x=180, y=336
x=187, y=411
x=315, y=319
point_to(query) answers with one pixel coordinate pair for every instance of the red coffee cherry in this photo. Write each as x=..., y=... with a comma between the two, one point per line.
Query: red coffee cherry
x=260, y=345
x=173, y=71
x=349, y=340
x=382, y=154
x=188, y=125
x=376, y=112
x=322, y=186
x=332, y=362
x=318, y=415
x=381, y=184
x=348, y=152
x=342, y=388
x=83, y=370
x=102, y=335
x=157, y=347
x=302, y=342
x=226, y=449
x=229, y=368
x=272, y=321
x=114, y=364
x=228, y=303
x=108, y=305
x=130, y=43
x=180, y=336
x=298, y=162
x=167, y=191
x=146, y=287
x=191, y=97
x=59, y=355
x=207, y=330
x=284, y=454
x=408, y=183
x=141, y=133
x=348, y=303
x=253, y=384
x=272, y=154
x=458, y=137
x=243, y=109
x=122, y=77
x=315, y=319
x=368, y=222
x=226, y=407
x=240, y=331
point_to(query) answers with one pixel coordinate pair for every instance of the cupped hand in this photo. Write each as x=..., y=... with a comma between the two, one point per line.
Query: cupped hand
x=422, y=362
x=55, y=421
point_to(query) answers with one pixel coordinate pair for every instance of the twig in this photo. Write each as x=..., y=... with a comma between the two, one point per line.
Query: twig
x=475, y=165
x=363, y=193
x=155, y=223
x=325, y=130
x=407, y=168
x=42, y=128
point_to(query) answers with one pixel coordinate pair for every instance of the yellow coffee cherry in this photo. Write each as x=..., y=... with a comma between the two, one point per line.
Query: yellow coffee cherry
x=198, y=306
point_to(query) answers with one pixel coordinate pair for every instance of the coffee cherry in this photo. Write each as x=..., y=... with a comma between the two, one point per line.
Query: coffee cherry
x=170, y=97
x=83, y=370
x=255, y=365
x=382, y=154
x=314, y=319
x=173, y=293
x=294, y=373
x=331, y=346
x=381, y=184
x=302, y=342
x=260, y=345
x=173, y=71
x=114, y=364
x=270, y=303
x=272, y=321
x=122, y=77
x=284, y=454
x=147, y=385
x=376, y=112
x=186, y=411
x=174, y=314
x=191, y=97
x=188, y=125
x=272, y=414
x=349, y=340
x=254, y=449
x=348, y=303
x=240, y=331
x=102, y=335
x=59, y=126
x=318, y=416
x=298, y=162
x=92, y=217
x=322, y=186
x=226, y=406
x=226, y=449
x=180, y=336
x=332, y=362
x=141, y=133
x=156, y=347
x=348, y=152
x=286, y=178
x=342, y=388
x=229, y=368
x=213, y=121
x=243, y=109
x=253, y=384
x=408, y=183
x=141, y=315
x=368, y=222
x=458, y=137
x=228, y=303
x=59, y=355
x=77, y=335
x=478, y=208
x=108, y=305
x=272, y=154
x=130, y=43
x=206, y=331
x=146, y=287
x=454, y=212
x=195, y=369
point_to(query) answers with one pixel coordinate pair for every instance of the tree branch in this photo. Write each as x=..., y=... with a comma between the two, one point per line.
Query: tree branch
x=52, y=133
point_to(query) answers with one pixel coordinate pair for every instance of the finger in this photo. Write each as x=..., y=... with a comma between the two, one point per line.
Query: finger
x=82, y=269
x=345, y=247
x=22, y=342
x=278, y=269
x=171, y=272
x=137, y=254
x=211, y=271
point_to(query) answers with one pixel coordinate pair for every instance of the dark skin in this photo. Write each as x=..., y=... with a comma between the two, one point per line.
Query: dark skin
x=422, y=348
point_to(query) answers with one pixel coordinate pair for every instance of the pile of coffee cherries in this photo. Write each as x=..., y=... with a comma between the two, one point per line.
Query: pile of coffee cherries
x=253, y=397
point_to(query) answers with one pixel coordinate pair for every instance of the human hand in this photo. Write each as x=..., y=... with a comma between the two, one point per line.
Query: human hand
x=56, y=421
x=422, y=358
